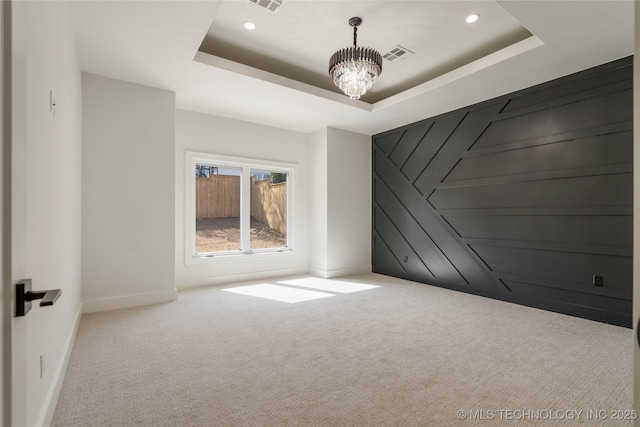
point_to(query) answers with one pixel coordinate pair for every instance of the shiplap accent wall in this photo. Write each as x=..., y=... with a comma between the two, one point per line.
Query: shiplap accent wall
x=522, y=198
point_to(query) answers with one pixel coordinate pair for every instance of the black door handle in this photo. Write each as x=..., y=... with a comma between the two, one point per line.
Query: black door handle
x=24, y=296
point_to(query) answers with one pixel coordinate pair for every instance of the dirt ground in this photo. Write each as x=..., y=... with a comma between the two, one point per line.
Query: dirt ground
x=223, y=234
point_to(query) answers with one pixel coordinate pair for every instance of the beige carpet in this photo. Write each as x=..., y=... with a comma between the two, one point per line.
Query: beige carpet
x=401, y=354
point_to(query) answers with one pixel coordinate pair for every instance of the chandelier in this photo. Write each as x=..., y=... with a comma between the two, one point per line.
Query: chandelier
x=355, y=68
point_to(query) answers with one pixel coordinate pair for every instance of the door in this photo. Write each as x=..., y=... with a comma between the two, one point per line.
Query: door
x=12, y=189
x=3, y=127
x=5, y=206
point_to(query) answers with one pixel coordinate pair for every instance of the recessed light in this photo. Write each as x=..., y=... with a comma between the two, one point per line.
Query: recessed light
x=249, y=25
x=472, y=18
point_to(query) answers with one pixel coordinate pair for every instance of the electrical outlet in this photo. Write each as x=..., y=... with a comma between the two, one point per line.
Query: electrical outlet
x=41, y=366
x=598, y=281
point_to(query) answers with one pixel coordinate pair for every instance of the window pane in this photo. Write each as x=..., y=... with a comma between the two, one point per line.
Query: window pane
x=268, y=209
x=217, y=208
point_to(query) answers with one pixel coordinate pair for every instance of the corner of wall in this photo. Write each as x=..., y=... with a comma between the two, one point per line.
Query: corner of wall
x=127, y=301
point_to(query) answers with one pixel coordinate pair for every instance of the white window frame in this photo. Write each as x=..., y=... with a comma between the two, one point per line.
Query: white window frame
x=247, y=165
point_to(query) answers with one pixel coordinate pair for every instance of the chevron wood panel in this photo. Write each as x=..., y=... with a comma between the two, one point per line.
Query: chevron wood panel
x=523, y=198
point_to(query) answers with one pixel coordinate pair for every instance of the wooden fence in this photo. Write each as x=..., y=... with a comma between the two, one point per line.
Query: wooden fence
x=219, y=197
x=269, y=204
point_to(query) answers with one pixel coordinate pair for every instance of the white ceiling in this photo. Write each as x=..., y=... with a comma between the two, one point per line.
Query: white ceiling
x=298, y=39
x=276, y=74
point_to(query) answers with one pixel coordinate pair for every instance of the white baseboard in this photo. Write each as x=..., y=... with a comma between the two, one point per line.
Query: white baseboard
x=126, y=301
x=243, y=277
x=58, y=377
x=329, y=274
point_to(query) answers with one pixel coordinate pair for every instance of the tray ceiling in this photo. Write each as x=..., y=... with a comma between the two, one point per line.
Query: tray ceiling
x=297, y=39
x=277, y=74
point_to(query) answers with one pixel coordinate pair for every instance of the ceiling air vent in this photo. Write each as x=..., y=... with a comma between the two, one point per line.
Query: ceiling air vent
x=397, y=53
x=271, y=5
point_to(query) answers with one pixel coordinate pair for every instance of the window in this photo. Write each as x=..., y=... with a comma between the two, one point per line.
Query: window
x=217, y=208
x=237, y=206
x=268, y=209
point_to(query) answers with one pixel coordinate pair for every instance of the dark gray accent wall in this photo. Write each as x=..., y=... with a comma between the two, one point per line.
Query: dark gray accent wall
x=523, y=198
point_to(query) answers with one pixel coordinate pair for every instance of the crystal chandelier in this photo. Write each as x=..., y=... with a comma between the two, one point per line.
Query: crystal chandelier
x=355, y=68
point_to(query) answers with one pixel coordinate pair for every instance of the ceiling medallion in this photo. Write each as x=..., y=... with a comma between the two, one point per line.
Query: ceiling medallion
x=355, y=68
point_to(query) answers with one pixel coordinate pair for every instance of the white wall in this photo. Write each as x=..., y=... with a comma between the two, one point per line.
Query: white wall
x=318, y=233
x=128, y=158
x=341, y=204
x=46, y=206
x=216, y=135
x=348, y=203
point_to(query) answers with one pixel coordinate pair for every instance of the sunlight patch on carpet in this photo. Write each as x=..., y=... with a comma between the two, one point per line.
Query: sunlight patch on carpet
x=278, y=293
x=338, y=286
